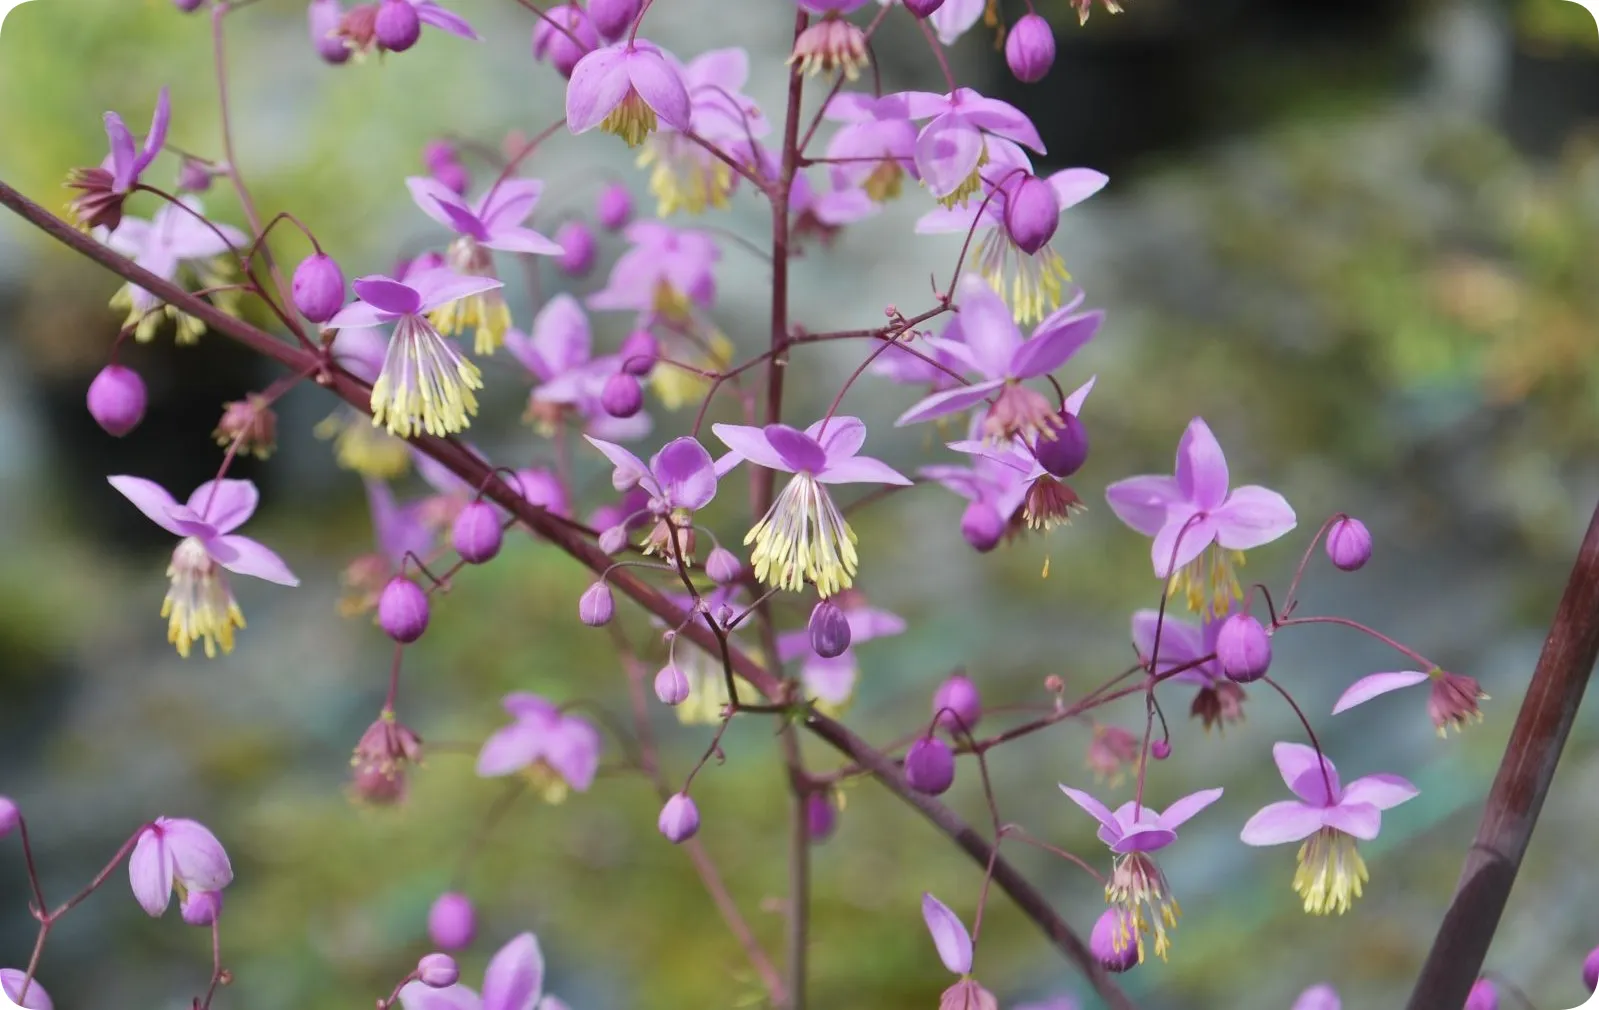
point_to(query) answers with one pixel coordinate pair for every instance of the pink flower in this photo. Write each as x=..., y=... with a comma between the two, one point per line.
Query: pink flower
x=173, y=852
x=626, y=89
x=1451, y=701
x=556, y=751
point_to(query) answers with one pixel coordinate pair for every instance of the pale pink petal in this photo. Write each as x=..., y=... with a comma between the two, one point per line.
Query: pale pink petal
x=359, y=315
x=1056, y=339
x=1142, y=502
x=948, y=402
x=1383, y=791
x=249, y=557
x=150, y=872
x=660, y=85
x=1318, y=997
x=1097, y=809
x=989, y=328
x=1076, y=398
x=561, y=334
x=225, y=504
x=949, y=935
x=1362, y=820
x=416, y=996
x=629, y=468
x=1301, y=769
x=1001, y=119
x=151, y=499
x=157, y=137
x=862, y=470
x=514, y=978
x=122, y=152
x=387, y=294
x=508, y=750
x=442, y=286
x=598, y=84
x=432, y=196
x=523, y=240
x=1180, y=541
x=751, y=443
x=952, y=20
x=509, y=202
x=840, y=436
x=1252, y=516
x=829, y=680
x=1276, y=823
x=199, y=861
x=1374, y=684
x=1175, y=815
x=947, y=152
x=1201, y=467
x=1074, y=185
x=686, y=473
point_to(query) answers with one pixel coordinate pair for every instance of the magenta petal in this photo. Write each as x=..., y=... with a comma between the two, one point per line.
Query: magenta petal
x=430, y=13
x=432, y=196
x=1201, y=467
x=514, y=979
x=1095, y=808
x=530, y=708
x=360, y=315
x=151, y=499
x=225, y=504
x=1143, y=838
x=840, y=436
x=11, y=981
x=1180, y=642
x=157, y=137
x=122, y=152
x=249, y=557
x=1362, y=820
x=574, y=751
x=948, y=402
x=509, y=202
x=629, y=468
x=463, y=221
x=561, y=335
x=1180, y=541
x=1076, y=398
x=598, y=84
x=1175, y=815
x=508, y=750
x=749, y=443
x=1318, y=997
x=1276, y=823
x=1053, y=343
x=1003, y=120
x=1383, y=791
x=686, y=473
x=199, y=861
x=660, y=85
x=1142, y=502
x=949, y=935
x=988, y=327
x=1299, y=764
x=799, y=451
x=150, y=872
x=387, y=295
x=862, y=470
x=829, y=680
x=1252, y=516
x=1374, y=684
x=443, y=286
x=1074, y=185
x=416, y=996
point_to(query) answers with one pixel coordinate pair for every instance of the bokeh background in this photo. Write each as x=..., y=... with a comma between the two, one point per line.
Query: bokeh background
x=1360, y=237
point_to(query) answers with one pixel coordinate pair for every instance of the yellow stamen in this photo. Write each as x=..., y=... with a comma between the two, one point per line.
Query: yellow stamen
x=425, y=385
x=632, y=119
x=970, y=185
x=1036, y=281
x=1209, y=582
x=1330, y=872
x=359, y=446
x=804, y=538
x=684, y=177
x=199, y=604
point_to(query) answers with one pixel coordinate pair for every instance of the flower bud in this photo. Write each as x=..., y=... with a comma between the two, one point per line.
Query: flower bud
x=187, y=6
x=452, y=175
x=1484, y=995
x=821, y=816
x=723, y=566
x=1160, y=750
x=671, y=687
x=558, y=45
x=116, y=399
x=452, y=923
x=639, y=352
x=596, y=606
x=615, y=207
x=477, y=534
x=397, y=27
x=1113, y=943
x=325, y=18
x=577, y=248
x=318, y=286
x=438, y=153
x=613, y=539
x=829, y=630
x=1066, y=453
x=249, y=425
x=437, y=971
x=1030, y=48
x=1243, y=648
x=201, y=908
x=10, y=817
x=982, y=526
x=193, y=176
x=922, y=8
x=403, y=610
x=1349, y=544
x=1590, y=970
x=930, y=766
x=680, y=819
x=1032, y=213
x=957, y=704
x=622, y=396
x=613, y=17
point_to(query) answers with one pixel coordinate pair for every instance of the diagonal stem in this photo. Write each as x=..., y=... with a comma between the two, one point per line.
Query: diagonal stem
x=1519, y=789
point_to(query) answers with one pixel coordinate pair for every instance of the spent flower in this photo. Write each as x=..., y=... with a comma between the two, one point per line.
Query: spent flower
x=174, y=853
x=1452, y=698
x=103, y=189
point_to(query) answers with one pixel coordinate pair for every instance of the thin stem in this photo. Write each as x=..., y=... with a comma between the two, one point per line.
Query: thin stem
x=1345, y=622
x=799, y=870
x=1326, y=776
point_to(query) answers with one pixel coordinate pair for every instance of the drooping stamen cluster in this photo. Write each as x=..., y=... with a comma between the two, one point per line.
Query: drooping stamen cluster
x=1209, y=583
x=1139, y=888
x=485, y=311
x=1050, y=503
x=381, y=757
x=1020, y=410
x=1452, y=702
x=804, y=538
x=831, y=44
x=426, y=383
x=1037, y=280
x=199, y=604
x=1330, y=873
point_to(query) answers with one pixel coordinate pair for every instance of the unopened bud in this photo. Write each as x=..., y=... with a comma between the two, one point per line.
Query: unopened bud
x=982, y=526
x=1030, y=48
x=398, y=26
x=1066, y=453
x=201, y=908
x=477, y=534
x=193, y=176
x=403, y=610
x=621, y=396
x=1349, y=544
x=639, y=352
x=437, y=971
x=1160, y=750
x=1243, y=648
x=957, y=704
x=1484, y=995
x=723, y=566
x=596, y=606
x=615, y=208
x=577, y=248
x=318, y=286
x=821, y=816
x=452, y=922
x=923, y=8
x=829, y=628
x=671, y=687
x=613, y=17
x=116, y=399
x=680, y=819
x=10, y=816
x=1114, y=942
x=613, y=539
x=930, y=766
x=1032, y=213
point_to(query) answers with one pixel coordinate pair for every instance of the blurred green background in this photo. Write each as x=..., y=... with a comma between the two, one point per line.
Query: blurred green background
x=1357, y=236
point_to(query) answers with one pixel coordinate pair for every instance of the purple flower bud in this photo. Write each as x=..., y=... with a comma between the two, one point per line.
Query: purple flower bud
x=821, y=816
x=596, y=606
x=437, y=971
x=982, y=526
x=324, y=18
x=1243, y=648
x=543, y=488
x=1160, y=749
x=613, y=17
x=452, y=175
x=1590, y=970
x=116, y=399
x=723, y=566
x=930, y=766
x=193, y=176
x=724, y=616
x=10, y=816
x=187, y=6
x=613, y=539
x=671, y=687
x=403, y=610
x=397, y=26
x=639, y=352
x=577, y=248
x=829, y=630
x=1032, y=212
x=1349, y=544
x=922, y=8
x=680, y=819
x=957, y=704
x=1066, y=453
x=11, y=982
x=318, y=286
x=1484, y=995
x=438, y=153
x=201, y=908
x=1113, y=942
x=1030, y=48
x=615, y=208
x=564, y=48
x=452, y=923
x=477, y=533
x=622, y=396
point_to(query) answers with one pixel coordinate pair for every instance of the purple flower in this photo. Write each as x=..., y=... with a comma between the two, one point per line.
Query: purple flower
x=175, y=852
x=818, y=214
x=1194, y=510
x=16, y=983
x=199, y=604
x=1328, y=818
x=876, y=145
x=803, y=537
x=570, y=380
x=1452, y=701
x=683, y=174
x=174, y=237
x=680, y=479
x=627, y=89
x=398, y=530
x=102, y=190
x=514, y=980
x=992, y=347
x=954, y=144
x=831, y=682
x=426, y=383
x=1135, y=828
x=1317, y=997
x=665, y=271
x=556, y=751
x=1219, y=701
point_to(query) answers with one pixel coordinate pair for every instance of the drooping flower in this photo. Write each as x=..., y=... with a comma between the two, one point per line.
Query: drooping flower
x=1137, y=886
x=514, y=980
x=954, y=144
x=683, y=174
x=994, y=489
x=830, y=682
x=359, y=26
x=1193, y=648
x=175, y=237
x=382, y=757
x=176, y=853
x=664, y=272
x=1192, y=514
x=831, y=43
x=116, y=399
x=1328, y=818
x=992, y=347
x=875, y=148
x=1452, y=700
x=681, y=479
x=556, y=751
x=564, y=34
x=199, y=604
x=803, y=537
x=102, y=190
x=819, y=214
x=571, y=379
x=627, y=89
x=426, y=383
x=494, y=221
x=954, y=945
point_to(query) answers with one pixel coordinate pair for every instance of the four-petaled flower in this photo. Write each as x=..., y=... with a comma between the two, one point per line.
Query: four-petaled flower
x=559, y=354
x=493, y=222
x=1192, y=512
x=426, y=383
x=199, y=604
x=1452, y=700
x=556, y=751
x=173, y=852
x=680, y=479
x=627, y=89
x=803, y=537
x=514, y=980
x=1328, y=818
x=102, y=190
x=955, y=143
x=175, y=236
x=1137, y=886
